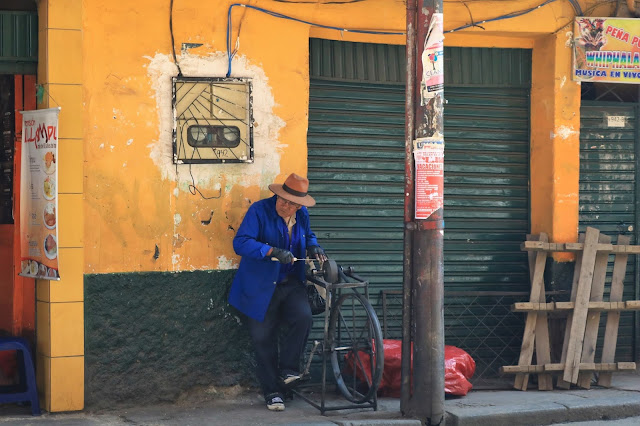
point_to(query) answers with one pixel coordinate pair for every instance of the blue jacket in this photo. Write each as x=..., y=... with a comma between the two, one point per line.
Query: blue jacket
x=261, y=229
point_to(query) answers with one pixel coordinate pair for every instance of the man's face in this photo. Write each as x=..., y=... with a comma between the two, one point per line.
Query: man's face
x=286, y=208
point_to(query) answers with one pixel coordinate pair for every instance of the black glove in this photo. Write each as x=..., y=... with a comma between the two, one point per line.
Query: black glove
x=316, y=252
x=283, y=256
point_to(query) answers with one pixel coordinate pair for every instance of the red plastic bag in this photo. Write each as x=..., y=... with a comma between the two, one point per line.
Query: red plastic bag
x=459, y=367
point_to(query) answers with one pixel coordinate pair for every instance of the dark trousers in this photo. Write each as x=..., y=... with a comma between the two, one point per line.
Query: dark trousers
x=289, y=306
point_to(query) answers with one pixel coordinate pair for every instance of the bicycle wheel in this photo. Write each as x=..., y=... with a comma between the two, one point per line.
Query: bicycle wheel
x=355, y=342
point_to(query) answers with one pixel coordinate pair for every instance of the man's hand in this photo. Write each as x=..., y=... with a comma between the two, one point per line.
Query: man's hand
x=317, y=253
x=283, y=256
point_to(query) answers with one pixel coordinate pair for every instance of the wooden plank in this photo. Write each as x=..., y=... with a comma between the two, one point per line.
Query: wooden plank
x=629, y=305
x=623, y=248
x=576, y=335
x=521, y=380
x=596, y=307
x=563, y=306
x=626, y=249
x=536, y=271
x=631, y=366
x=541, y=246
x=574, y=287
x=532, y=245
x=574, y=247
x=593, y=317
x=613, y=318
x=543, y=347
x=559, y=368
x=529, y=306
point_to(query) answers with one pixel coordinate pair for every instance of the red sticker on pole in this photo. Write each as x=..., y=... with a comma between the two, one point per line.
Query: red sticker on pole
x=429, y=180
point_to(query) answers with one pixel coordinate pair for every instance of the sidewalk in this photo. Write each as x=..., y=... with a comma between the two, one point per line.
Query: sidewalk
x=493, y=408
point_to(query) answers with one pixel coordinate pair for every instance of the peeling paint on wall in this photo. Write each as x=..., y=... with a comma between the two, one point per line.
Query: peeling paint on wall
x=268, y=150
x=224, y=263
x=565, y=132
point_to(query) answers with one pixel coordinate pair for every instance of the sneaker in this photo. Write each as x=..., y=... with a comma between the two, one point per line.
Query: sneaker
x=275, y=403
x=290, y=379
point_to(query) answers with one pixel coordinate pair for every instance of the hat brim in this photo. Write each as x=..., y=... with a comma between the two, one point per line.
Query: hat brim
x=306, y=201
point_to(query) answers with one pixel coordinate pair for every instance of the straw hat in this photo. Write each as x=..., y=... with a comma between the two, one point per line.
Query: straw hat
x=294, y=189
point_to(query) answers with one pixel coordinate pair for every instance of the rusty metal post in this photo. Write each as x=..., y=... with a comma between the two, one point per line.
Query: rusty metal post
x=408, y=208
x=423, y=318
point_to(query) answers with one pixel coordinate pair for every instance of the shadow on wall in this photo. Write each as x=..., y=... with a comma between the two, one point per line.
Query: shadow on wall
x=151, y=336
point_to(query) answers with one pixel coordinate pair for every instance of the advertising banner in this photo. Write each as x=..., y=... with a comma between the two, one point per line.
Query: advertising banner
x=606, y=50
x=429, y=183
x=39, y=194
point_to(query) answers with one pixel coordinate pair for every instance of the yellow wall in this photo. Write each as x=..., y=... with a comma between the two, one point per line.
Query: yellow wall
x=135, y=200
x=108, y=65
x=555, y=143
x=60, y=304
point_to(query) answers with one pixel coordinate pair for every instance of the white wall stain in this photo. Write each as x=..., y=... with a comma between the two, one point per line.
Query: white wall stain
x=130, y=141
x=564, y=132
x=175, y=259
x=563, y=82
x=224, y=263
x=266, y=165
x=177, y=218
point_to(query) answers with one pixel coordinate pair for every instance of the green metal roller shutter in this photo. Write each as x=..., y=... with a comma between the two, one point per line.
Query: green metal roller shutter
x=18, y=42
x=608, y=180
x=356, y=168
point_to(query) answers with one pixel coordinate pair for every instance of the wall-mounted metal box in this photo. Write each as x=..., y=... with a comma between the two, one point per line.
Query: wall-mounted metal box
x=213, y=120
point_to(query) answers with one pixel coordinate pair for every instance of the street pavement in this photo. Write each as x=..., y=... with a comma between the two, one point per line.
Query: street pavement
x=236, y=406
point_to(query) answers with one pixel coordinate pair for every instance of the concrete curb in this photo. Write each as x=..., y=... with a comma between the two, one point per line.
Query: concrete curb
x=617, y=405
x=379, y=422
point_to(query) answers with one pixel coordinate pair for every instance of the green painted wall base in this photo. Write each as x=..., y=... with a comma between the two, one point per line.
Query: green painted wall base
x=151, y=336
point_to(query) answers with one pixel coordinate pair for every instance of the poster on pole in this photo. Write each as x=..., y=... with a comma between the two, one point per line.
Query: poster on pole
x=39, y=194
x=432, y=58
x=429, y=181
x=606, y=50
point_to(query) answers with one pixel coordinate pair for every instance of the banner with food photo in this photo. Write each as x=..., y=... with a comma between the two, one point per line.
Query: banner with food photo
x=39, y=194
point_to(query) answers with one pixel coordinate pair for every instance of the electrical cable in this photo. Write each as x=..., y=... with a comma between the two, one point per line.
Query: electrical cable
x=193, y=189
x=500, y=18
x=576, y=7
x=231, y=54
x=173, y=43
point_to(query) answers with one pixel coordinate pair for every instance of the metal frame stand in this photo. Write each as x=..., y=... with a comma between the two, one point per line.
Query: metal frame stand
x=333, y=293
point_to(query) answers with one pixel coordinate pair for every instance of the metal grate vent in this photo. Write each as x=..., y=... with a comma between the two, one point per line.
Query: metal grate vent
x=213, y=120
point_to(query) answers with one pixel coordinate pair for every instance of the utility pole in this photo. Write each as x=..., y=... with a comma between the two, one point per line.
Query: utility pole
x=423, y=289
